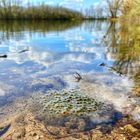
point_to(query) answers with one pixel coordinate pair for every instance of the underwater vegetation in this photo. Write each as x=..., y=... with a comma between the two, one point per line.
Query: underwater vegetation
x=69, y=103
x=73, y=110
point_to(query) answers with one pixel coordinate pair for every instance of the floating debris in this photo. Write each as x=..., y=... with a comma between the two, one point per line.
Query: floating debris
x=4, y=56
x=78, y=77
x=22, y=51
x=102, y=64
x=111, y=68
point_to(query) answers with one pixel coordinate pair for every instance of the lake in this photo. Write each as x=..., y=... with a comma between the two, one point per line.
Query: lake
x=41, y=57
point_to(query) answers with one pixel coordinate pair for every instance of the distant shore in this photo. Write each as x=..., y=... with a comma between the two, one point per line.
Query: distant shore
x=42, y=12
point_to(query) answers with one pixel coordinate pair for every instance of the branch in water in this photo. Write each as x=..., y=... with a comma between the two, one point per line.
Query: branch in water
x=78, y=77
x=3, y=56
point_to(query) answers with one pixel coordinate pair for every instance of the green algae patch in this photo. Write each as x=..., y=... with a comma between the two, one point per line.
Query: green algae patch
x=74, y=111
x=69, y=102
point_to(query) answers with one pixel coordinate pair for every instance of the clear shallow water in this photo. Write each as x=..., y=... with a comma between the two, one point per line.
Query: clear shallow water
x=57, y=50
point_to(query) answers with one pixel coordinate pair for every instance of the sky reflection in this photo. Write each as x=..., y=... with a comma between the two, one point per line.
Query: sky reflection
x=54, y=57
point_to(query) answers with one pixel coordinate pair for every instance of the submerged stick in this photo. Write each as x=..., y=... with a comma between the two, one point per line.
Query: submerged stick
x=111, y=68
x=3, y=130
x=22, y=51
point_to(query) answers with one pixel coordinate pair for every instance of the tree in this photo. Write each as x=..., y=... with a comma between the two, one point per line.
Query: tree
x=130, y=11
x=114, y=6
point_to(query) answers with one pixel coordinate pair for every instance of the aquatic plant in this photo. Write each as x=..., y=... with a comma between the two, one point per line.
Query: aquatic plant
x=66, y=103
x=73, y=110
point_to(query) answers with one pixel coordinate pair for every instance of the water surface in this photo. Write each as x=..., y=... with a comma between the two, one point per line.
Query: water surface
x=44, y=56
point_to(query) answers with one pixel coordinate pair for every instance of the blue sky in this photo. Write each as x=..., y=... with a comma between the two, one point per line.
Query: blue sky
x=74, y=4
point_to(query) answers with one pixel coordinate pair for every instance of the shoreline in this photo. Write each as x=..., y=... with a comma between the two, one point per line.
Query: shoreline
x=24, y=124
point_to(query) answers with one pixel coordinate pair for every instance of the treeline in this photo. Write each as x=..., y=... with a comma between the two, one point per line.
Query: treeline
x=112, y=9
x=15, y=9
x=107, y=9
x=95, y=12
x=10, y=9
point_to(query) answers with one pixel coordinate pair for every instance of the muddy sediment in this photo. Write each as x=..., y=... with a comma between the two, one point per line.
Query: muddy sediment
x=31, y=129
